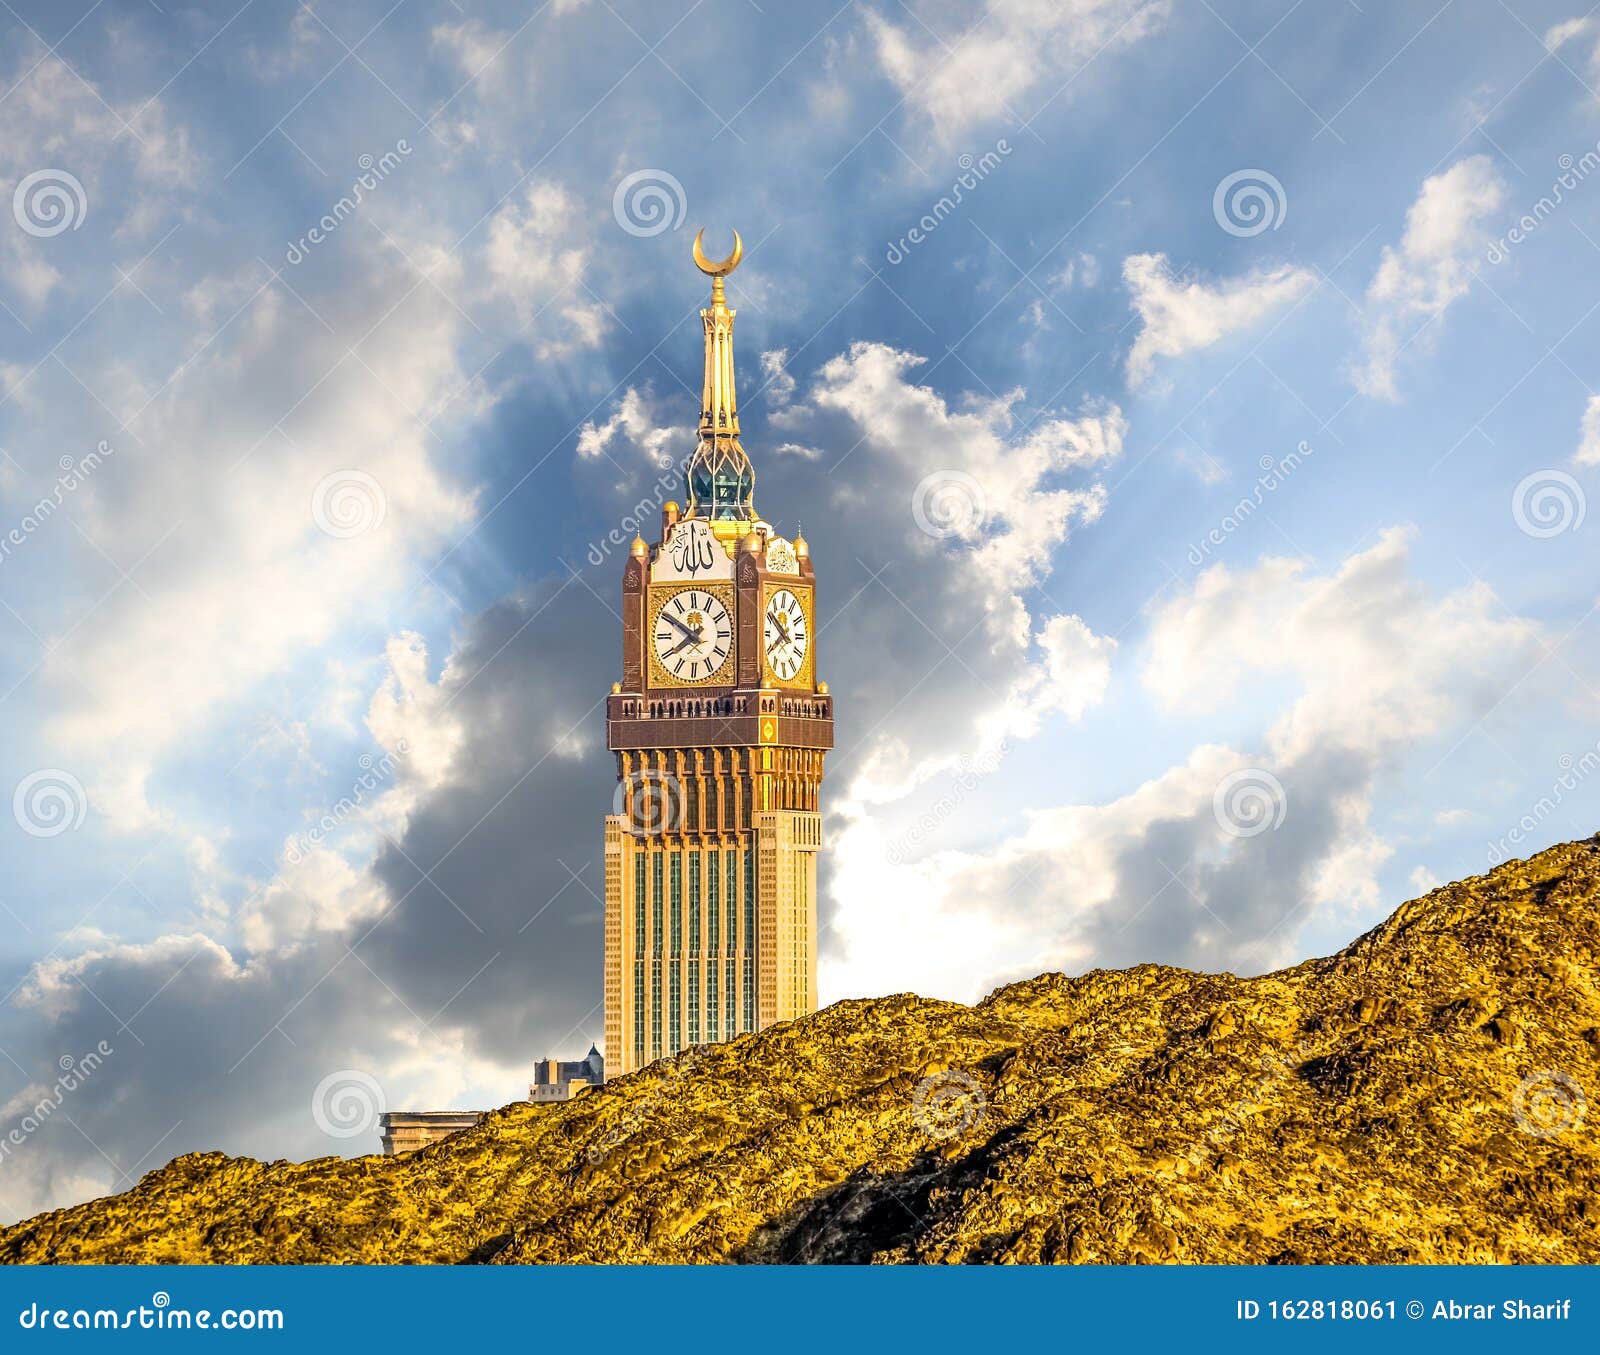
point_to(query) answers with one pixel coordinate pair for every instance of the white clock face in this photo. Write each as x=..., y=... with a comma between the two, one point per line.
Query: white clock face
x=693, y=635
x=786, y=634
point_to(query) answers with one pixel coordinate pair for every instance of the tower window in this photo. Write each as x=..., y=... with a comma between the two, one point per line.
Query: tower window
x=694, y=903
x=675, y=900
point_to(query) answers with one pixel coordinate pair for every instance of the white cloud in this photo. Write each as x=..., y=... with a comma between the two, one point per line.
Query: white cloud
x=475, y=48
x=1007, y=507
x=534, y=264
x=1378, y=667
x=1070, y=679
x=998, y=54
x=1589, y=443
x=776, y=383
x=634, y=423
x=1422, y=881
x=57, y=121
x=1584, y=30
x=1080, y=270
x=208, y=502
x=1431, y=268
x=1183, y=314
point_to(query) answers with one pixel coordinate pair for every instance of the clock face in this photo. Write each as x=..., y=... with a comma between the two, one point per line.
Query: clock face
x=693, y=635
x=786, y=633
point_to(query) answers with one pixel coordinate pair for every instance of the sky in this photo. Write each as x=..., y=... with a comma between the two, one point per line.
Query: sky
x=1192, y=408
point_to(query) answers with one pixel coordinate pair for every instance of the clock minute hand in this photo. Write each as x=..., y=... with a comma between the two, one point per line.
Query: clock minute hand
x=690, y=637
x=692, y=634
x=782, y=630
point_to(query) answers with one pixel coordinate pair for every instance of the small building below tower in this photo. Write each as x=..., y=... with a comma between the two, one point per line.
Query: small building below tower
x=404, y=1131
x=557, y=1081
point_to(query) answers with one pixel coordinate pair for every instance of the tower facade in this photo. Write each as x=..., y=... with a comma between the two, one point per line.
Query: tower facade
x=719, y=727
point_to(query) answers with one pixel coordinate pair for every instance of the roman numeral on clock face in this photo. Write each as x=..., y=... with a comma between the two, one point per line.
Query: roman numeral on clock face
x=693, y=636
x=784, y=634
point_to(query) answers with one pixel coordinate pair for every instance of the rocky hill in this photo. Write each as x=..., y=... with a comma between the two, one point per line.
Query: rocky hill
x=1419, y=1096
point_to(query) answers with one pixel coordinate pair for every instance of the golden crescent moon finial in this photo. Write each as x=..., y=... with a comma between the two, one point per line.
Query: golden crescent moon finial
x=713, y=268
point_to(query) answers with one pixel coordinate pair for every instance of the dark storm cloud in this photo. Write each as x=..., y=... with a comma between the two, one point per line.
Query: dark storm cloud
x=497, y=885
x=1182, y=899
x=204, y=1055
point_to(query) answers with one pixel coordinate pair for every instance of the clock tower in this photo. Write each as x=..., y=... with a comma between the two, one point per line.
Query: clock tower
x=719, y=727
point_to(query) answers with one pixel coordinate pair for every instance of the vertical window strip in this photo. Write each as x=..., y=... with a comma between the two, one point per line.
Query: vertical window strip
x=638, y=907
x=694, y=1002
x=674, y=1006
x=638, y=1011
x=694, y=902
x=675, y=902
x=749, y=902
x=655, y=1009
x=713, y=903
x=655, y=903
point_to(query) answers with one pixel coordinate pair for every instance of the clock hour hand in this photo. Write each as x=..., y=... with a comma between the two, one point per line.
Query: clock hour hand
x=683, y=644
x=782, y=629
x=687, y=630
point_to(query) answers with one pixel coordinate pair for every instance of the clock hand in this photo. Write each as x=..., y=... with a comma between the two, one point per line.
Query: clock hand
x=782, y=630
x=680, y=625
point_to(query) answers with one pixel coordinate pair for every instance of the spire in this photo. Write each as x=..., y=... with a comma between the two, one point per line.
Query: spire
x=721, y=482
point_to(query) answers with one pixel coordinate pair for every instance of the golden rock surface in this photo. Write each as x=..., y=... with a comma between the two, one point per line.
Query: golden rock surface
x=1420, y=1096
